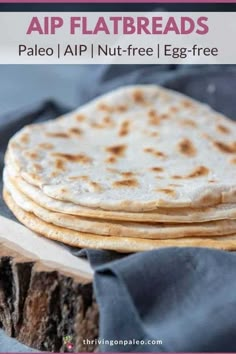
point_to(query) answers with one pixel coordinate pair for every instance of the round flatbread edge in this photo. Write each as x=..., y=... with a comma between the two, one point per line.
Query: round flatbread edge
x=124, y=244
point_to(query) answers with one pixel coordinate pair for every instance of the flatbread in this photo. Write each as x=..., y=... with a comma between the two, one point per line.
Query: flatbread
x=170, y=215
x=135, y=149
x=120, y=229
x=121, y=244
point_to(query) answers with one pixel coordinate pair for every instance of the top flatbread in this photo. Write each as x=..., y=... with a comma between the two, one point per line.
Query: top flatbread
x=135, y=149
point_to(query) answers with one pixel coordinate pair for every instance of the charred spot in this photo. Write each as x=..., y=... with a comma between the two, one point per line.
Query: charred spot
x=138, y=97
x=107, y=120
x=34, y=155
x=58, y=135
x=121, y=108
x=154, y=152
x=130, y=182
x=153, y=117
x=174, y=109
x=199, y=172
x=168, y=191
x=156, y=169
x=76, y=131
x=186, y=147
x=80, y=117
x=77, y=178
x=111, y=159
x=63, y=190
x=188, y=123
x=46, y=146
x=96, y=186
x=80, y=158
x=117, y=150
x=24, y=138
x=105, y=107
x=124, y=128
x=222, y=129
x=38, y=168
x=225, y=148
x=106, y=123
x=233, y=161
x=59, y=164
x=164, y=116
x=35, y=176
x=127, y=174
x=187, y=103
x=113, y=170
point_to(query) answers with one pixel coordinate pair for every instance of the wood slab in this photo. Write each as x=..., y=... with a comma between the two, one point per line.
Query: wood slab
x=46, y=294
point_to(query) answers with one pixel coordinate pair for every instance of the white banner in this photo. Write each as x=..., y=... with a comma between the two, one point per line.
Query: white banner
x=117, y=38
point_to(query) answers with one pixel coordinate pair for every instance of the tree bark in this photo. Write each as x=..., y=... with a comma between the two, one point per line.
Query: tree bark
x=44, y=304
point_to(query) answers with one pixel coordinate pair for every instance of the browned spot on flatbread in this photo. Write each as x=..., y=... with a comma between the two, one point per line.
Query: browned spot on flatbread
x=156, y=169
x=33, y=155
x=199, y=171
x=124, y=128
x=130, y=182
x=206, y=136
x=76, y=131
x=121, y=108
x=153, y=117
x=35, y=176
x=117, y=150
x=57, y=135
x=60, y=164
x=186, y=147
x=174, y=109
x=187, y=103
x=228, y=148
x=77, y=178
x=80, y=158
x=138, y=97
x=24, y=138
x=97, y=125
x=113, y=170
x=95, y=186
x=222, y=129
x=153, y=134
x=14, y=145
x=154, y=152
x=46, y=146
x=111, y=159
x=127, y=174
x=80, y=117
x=168, y=191
x=107, y=122
x=37, y=168
x=55, y=173
x=233, y=161
x=188, y=123
x=105, y=107
x=164, y=116
x=63, y=190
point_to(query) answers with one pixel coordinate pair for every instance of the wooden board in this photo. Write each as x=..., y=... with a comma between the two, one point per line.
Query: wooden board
x=46, y=294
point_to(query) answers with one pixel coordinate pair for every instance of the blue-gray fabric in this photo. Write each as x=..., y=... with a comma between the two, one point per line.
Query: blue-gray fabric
x=186, y=297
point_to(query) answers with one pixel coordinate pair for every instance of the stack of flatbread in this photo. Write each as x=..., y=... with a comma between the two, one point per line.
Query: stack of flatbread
x=137, y=169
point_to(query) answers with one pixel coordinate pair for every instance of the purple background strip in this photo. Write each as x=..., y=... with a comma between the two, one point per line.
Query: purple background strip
x=118, y=1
